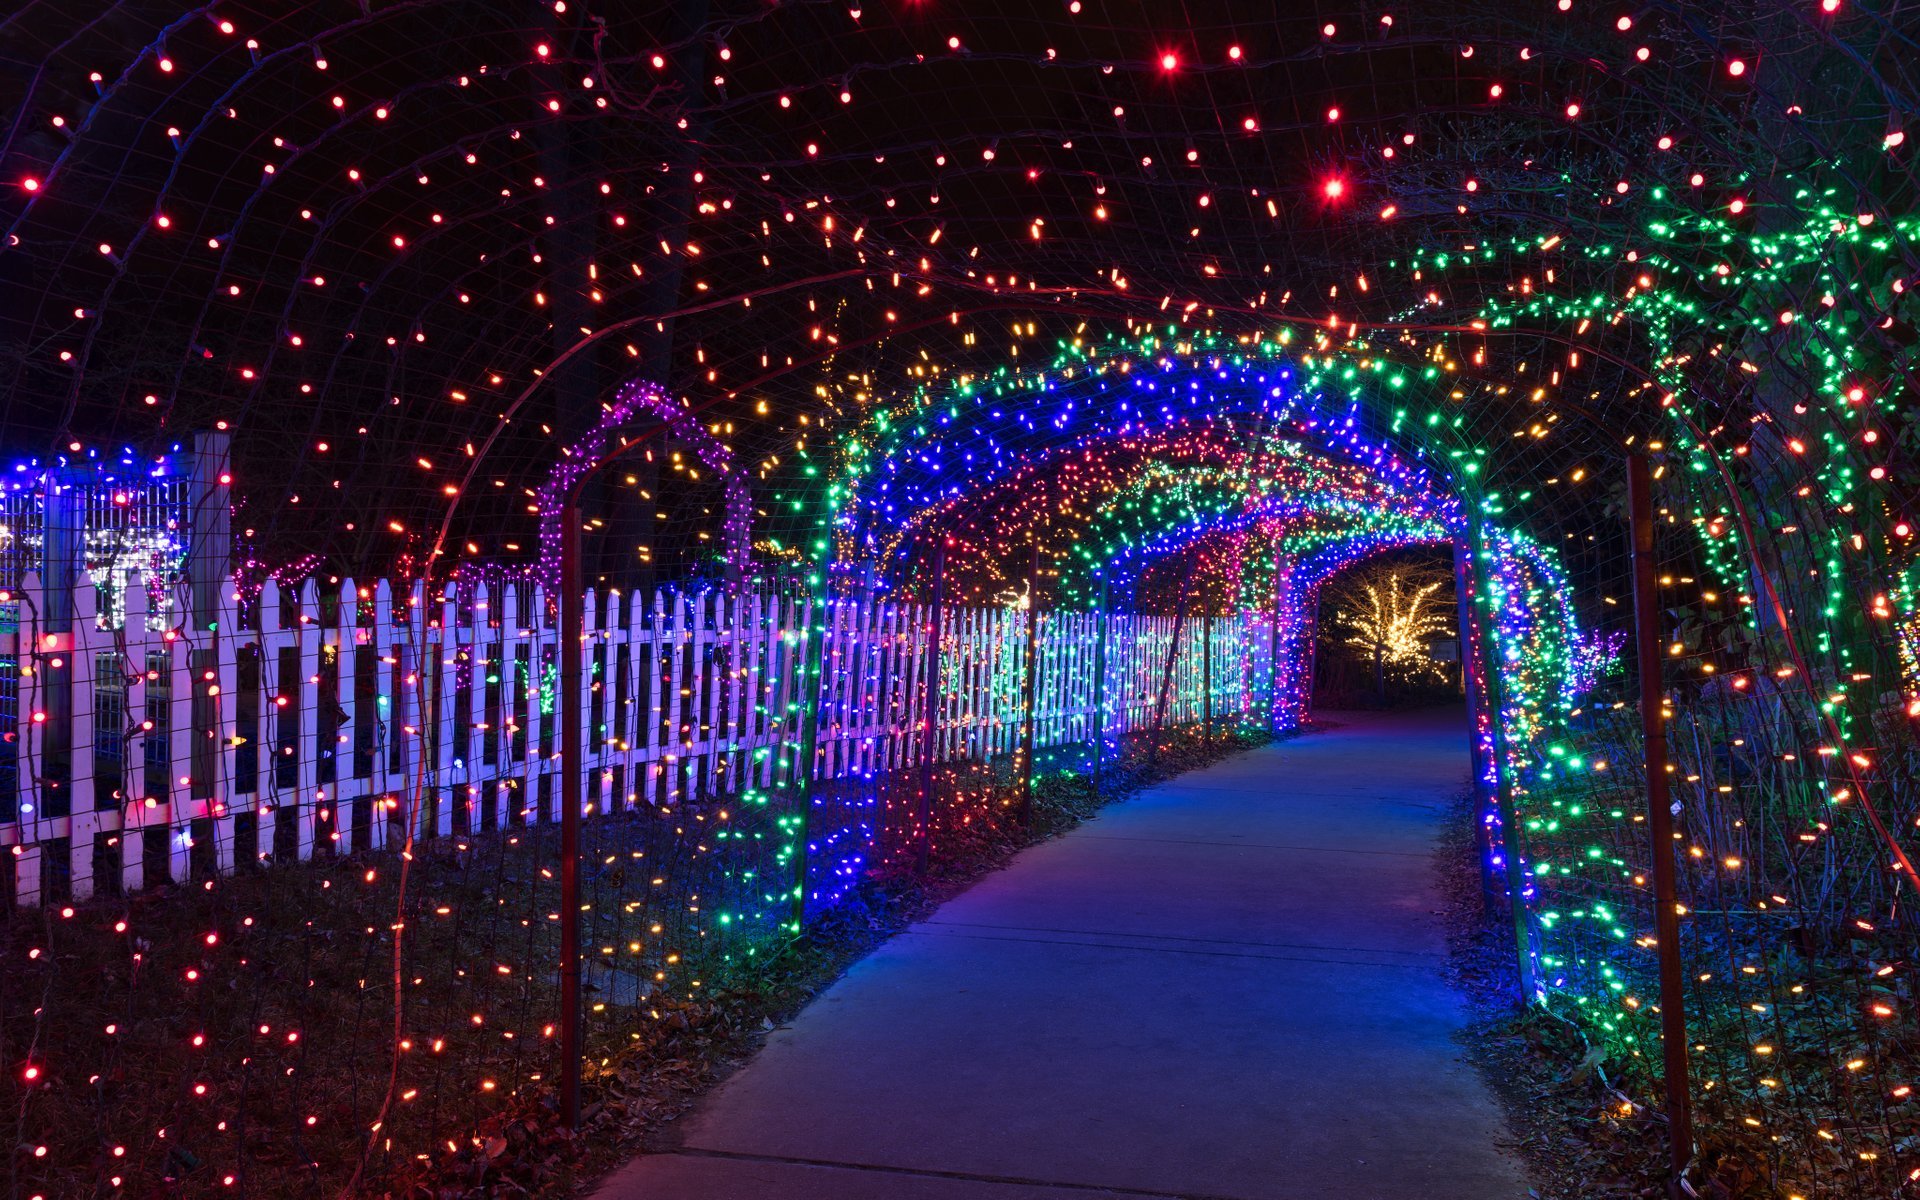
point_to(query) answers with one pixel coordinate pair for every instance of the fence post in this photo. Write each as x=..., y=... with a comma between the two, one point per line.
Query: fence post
x=571, y=745
x=1666, y=921
x=930, y=684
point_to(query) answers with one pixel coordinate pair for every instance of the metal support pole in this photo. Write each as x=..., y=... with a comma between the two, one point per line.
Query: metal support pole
x=1099, y=739
x=1206, y=675
x=1166, y=676
x=1474, y=684
x=210, y=580
x=1277, y=646
x=1309, y=656
x=1666, y=921
x=1030, y=686
x=62, y=572
x=819, y=620
x=209, y=528
x=1512, y=845
x=932, y=696
x=572, y=740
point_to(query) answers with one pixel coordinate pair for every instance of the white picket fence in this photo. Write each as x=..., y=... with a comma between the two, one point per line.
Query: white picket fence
x=327, y=722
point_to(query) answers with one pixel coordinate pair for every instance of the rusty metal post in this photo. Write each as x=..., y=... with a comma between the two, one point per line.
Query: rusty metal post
x=1648, y=640
x=572, y=740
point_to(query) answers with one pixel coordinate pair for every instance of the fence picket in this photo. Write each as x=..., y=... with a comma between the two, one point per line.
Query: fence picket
x=332, y=717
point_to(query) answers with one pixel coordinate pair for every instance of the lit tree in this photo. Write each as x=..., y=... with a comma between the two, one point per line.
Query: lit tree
x=1390, y=610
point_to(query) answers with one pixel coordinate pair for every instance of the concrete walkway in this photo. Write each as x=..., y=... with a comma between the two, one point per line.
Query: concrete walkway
x=1227, y=988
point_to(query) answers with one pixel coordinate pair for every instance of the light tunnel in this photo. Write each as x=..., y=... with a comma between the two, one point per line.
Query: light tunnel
x=1166, y=480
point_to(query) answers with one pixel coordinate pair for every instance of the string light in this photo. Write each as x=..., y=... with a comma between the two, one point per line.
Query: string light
x=1006, y=328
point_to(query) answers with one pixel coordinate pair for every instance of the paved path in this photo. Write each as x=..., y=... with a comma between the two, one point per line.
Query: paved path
x=1227, y=988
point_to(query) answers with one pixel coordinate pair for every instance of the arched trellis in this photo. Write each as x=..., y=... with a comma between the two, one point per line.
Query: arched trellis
x=1231, y=463
x=1296, y=605
x=609, y=438
x=1283, y=489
